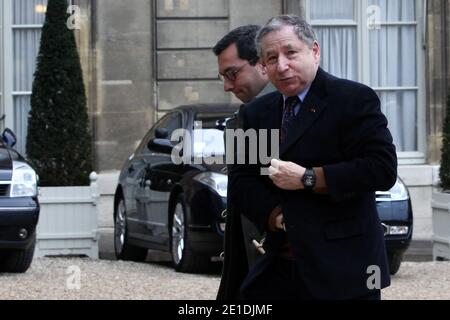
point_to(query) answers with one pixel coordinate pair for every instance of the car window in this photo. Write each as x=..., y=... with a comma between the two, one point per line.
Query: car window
x=212, y=120
x=150, y=135
x=171, y=122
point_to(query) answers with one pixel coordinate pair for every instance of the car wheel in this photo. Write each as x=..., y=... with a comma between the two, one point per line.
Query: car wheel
x=395, y=260
x=123, y=249
x=184, y=259
x=17, y=261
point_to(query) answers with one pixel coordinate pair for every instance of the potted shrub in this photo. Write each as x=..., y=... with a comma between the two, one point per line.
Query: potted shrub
x=59, y=143
x=441, y=198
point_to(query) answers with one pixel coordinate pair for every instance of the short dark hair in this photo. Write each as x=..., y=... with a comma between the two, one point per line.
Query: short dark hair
x=244, y=38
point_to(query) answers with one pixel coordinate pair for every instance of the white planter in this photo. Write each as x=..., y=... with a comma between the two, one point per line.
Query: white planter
x=68, y=221
x=441, y=225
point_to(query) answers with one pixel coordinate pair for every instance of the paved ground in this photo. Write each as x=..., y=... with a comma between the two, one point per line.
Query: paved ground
x=420, y=281
x=420, y=251
x=85, y=279
x=75, y=278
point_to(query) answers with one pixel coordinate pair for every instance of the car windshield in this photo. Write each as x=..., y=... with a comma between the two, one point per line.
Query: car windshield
x=208, y=139
x=208, y=143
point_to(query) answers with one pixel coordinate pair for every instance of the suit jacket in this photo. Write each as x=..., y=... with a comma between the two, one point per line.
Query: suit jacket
x=336, y=237
x=239, y=252
x=236, y=260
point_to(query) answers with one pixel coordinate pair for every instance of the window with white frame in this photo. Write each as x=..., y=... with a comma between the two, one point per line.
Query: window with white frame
x=23, y=20
x=28, y=17
x=377, y=42
x=1, y=61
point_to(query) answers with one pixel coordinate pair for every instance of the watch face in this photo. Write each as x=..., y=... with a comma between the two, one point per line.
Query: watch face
x=308, y=181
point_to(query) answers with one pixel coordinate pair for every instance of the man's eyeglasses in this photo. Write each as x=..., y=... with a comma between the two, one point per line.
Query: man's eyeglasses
x=231, y=74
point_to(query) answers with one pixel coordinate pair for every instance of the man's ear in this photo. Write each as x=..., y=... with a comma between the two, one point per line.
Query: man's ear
x=316, y=51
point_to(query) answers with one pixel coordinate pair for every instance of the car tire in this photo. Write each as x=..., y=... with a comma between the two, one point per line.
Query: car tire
x=395, y=260
x=18, y=261
x=122, y=247
x=184, y=259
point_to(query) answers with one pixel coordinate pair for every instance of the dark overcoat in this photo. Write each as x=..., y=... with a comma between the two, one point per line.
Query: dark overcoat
x=337, y=238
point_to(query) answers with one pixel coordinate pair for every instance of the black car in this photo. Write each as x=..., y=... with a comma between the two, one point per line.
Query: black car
x=395, y=212
x=177, y=204
x=19, y=208
x=162, y=204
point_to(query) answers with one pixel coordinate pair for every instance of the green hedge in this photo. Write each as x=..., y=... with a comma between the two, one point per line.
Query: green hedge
x=58, y=141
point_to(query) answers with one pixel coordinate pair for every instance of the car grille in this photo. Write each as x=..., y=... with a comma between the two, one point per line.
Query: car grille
x=4, y=189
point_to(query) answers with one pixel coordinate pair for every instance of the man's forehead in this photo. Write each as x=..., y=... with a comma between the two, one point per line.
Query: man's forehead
x=285, y=34
x=229, y=59
x=282, y=43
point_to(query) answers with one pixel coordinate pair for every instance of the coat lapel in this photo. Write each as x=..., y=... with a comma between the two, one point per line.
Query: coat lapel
x=311, y=109
x=271, y=118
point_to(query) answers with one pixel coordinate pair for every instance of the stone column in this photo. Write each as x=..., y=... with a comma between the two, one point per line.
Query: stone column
x=122, y=78
x=438, y=72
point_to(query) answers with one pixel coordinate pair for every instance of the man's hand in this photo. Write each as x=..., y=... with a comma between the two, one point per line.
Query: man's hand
x=286, y=175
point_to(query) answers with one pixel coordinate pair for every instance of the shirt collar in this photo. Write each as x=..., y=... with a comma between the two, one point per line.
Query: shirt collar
x=301, y=95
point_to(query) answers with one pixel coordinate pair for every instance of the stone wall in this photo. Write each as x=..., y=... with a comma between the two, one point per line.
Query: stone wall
x=148, y=57
x=186, y=33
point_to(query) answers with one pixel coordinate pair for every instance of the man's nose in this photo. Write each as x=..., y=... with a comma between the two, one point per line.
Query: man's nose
x=283, y=64
x=228, y=85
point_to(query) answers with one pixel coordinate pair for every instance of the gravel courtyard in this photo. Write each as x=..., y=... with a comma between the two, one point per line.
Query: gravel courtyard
x=62, y=278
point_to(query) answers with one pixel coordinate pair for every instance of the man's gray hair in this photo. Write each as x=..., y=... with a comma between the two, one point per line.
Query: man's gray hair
x=303, y=29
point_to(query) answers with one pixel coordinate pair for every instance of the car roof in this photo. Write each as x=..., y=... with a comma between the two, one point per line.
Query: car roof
x=210, y=108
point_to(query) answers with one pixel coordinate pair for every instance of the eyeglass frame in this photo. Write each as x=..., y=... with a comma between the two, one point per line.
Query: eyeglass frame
x=231, y=75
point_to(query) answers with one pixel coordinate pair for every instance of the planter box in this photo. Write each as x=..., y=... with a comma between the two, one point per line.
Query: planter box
x=68, y=221
x=441, y=225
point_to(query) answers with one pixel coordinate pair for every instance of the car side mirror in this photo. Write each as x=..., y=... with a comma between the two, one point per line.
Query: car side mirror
x=9, y=137
x=162, y=133
x=161, y=145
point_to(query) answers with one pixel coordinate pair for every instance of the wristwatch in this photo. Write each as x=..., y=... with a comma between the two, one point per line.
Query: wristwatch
x=309, y=179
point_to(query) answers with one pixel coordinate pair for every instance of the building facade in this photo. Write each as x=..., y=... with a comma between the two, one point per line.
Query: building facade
x=142, y=58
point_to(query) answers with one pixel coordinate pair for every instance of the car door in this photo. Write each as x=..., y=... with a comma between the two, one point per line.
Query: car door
x=160, y=176
x=135, y=199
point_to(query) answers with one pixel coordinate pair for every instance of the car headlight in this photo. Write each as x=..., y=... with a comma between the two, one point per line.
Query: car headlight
x=216, y=181
x=24, y=181
x=398, y=230
x=399, y=192
x=395, y=230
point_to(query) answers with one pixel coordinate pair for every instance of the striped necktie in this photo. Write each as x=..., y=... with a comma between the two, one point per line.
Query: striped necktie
x=288, y=115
